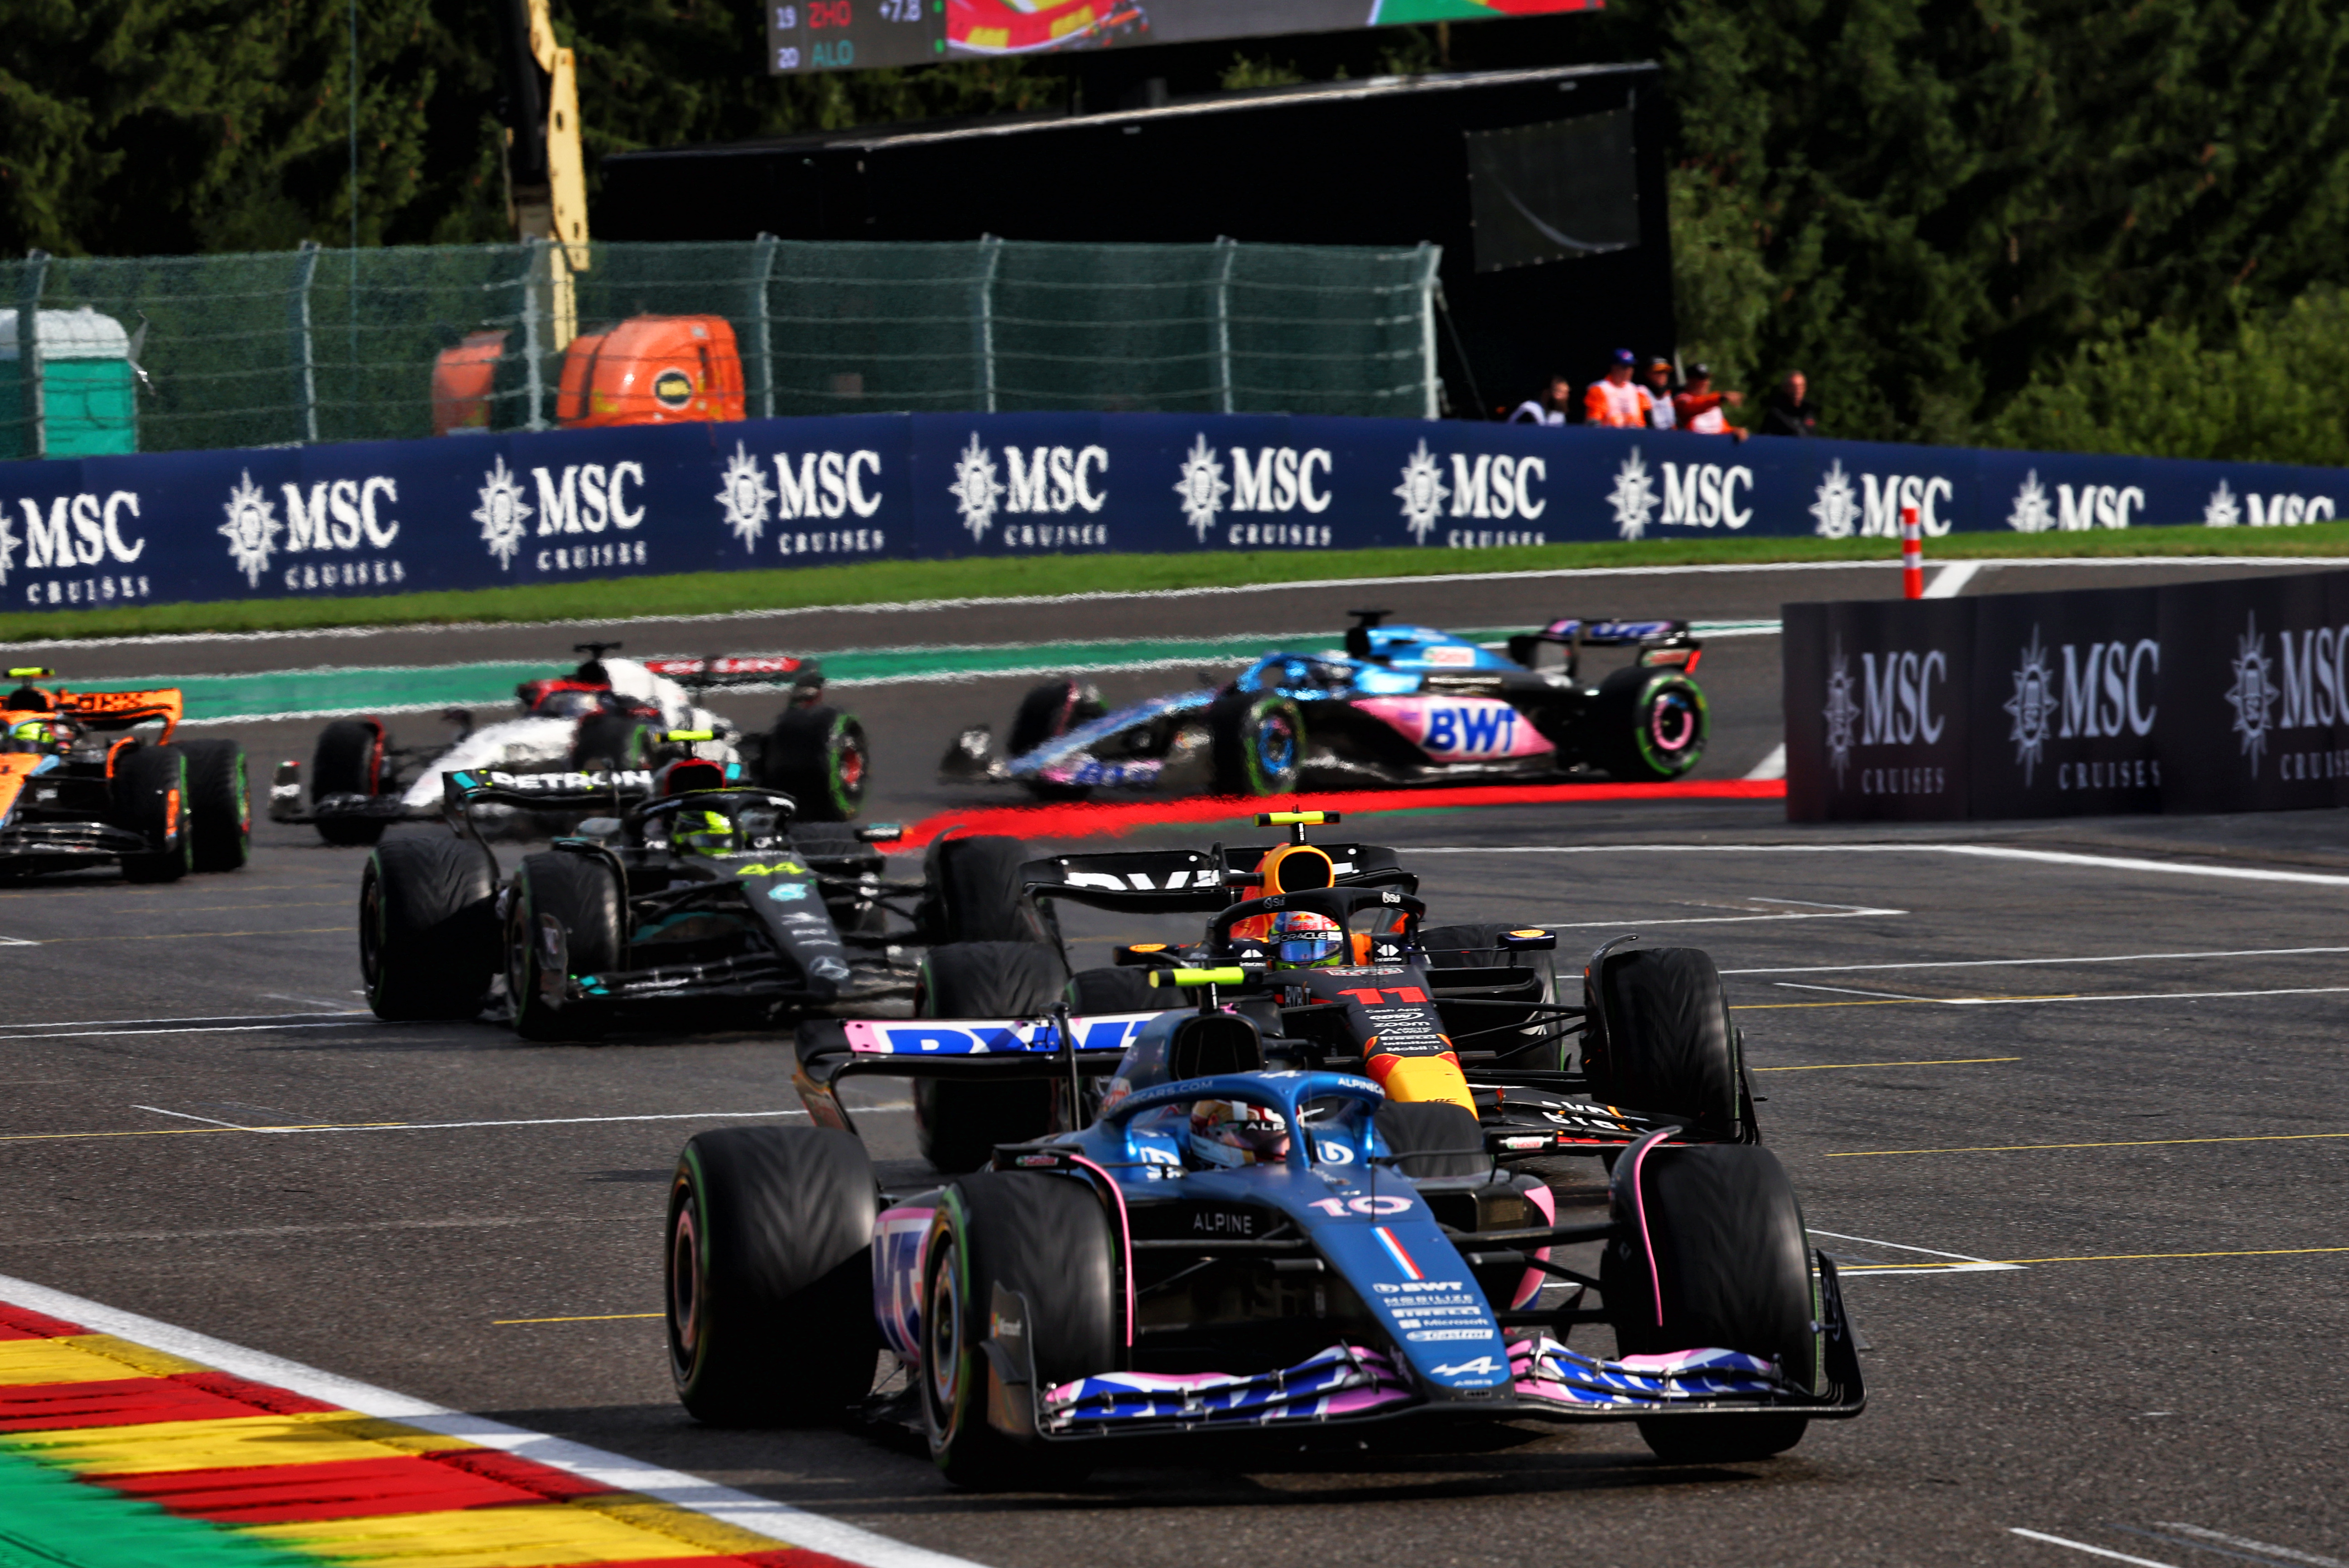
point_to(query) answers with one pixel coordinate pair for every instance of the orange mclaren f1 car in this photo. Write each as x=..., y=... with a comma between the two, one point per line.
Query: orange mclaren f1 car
x=79, y=786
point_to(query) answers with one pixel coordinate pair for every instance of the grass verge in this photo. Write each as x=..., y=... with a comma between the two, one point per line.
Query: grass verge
x=885, y=582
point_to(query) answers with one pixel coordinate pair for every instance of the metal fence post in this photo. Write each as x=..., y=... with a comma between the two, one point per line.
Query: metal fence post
x=1230, y=249
x=534, y=375
x=992, y=249
x=764, y=255
x=28, y=352
x=1431, y=257
x=305, y=267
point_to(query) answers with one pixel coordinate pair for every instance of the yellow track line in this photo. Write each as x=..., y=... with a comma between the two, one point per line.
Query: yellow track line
x=601, y=1317
x=1941, y=1062
x=2131, y=1143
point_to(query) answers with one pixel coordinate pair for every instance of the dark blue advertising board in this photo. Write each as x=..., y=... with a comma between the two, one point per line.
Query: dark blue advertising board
x=2199, y=696
x=484, y=511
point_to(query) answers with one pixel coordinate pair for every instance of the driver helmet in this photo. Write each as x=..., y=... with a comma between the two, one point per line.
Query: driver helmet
x=32, y=735
x=1302, y=940
x=1233, y=1133
x=698, y=832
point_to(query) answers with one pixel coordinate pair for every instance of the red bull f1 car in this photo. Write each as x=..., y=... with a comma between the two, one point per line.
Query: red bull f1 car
x=1298, y=1200
x=1400, y=705
x=79, y=787
x=607, y=713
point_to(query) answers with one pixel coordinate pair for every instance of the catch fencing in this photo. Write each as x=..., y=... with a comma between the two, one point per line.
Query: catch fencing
x=300, y=348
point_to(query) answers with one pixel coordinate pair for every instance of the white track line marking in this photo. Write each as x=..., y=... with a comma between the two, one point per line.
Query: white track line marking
x=190, y=1116
x=2009, y=964
x=1847, y=991
x=2140, y=996
x=1959, y=1263
x=2285, y=1553
x=426, y=1126
x=1773, y=766
x=211, y=1029
x=145, y=1022
x=2092, y=1551
x=1824, y=912
x=1951, y=580
x=1993, y=852
x=776, y=1521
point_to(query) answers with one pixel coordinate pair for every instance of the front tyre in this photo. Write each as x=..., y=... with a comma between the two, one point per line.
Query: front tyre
x=150, y=797
x=1652, y=724
x=1047, y=1237
x=348, y=760
x=580, y=895
x=1258, y=739
x=769, y=1269
x=818, y=757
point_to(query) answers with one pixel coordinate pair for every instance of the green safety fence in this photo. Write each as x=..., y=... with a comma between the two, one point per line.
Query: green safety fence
x=301, y=346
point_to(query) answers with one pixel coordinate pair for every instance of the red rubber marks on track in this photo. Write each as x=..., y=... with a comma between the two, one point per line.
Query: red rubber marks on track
x=1114, y=818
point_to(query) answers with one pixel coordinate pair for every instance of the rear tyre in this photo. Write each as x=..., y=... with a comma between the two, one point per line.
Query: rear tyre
x=1097, y=990
x=1258, y=740
x=1660, y=1041
x=1715, y=1257
x=222, y=803
x=1047, y=1237
x=611, y=740
x=959, y=1122
x=151, y=799
x=584, y=899
x=817, y=756
x=770, y=1276
x=1047, y=712
x=428, y=928
x=1652, y=724
x=972, y=891
x=1433, y=1137
x=348, y=760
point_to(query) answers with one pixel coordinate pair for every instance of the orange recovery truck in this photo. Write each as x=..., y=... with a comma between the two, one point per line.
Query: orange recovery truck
x=645, y=370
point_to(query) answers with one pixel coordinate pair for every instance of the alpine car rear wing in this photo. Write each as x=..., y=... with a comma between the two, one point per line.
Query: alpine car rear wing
x=1660, y=642
x=1058, y=1045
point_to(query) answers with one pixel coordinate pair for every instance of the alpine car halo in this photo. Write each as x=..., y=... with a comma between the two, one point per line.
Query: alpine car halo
x=1401, y=705
x=685, y=885
x=607, y=713
x=1298, y=1200
x=79, y=788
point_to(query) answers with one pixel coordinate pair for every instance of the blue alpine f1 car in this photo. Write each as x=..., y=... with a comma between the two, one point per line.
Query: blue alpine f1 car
x=1400, y=705
x=1228, y=1195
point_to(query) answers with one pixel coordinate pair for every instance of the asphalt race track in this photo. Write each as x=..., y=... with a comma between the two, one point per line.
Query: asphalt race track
x=2064, y=1097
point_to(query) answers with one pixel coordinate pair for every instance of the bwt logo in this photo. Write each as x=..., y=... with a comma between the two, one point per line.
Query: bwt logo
x=1705, y=495
x=1280, y=478
x=1898, y=698
x=1498, y=485
x=1056, y=479
x=1474, y=731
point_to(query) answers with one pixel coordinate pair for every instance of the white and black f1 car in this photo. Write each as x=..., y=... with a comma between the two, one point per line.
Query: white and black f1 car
x=607, y=713
x=1401, y=705
x=688, y=889
x=1301, y=1202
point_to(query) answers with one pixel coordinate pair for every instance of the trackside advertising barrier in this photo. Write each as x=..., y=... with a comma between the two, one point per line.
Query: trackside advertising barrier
x=2201, y=697
x=485, y=510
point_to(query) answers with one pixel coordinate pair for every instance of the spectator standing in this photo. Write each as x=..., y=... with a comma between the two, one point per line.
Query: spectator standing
x=1661, y=414
x=1791, y=412
x=1549, y=408
x=1618, y=401
x=1699, y=405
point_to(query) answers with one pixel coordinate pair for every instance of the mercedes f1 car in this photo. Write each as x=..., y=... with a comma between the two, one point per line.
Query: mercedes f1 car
x=607, y=713
x=1402, y=705
x=79, y=788
x=1299, y=1200
x=686, y=891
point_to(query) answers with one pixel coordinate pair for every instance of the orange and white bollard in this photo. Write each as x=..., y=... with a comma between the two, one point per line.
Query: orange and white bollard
x=1912, y=555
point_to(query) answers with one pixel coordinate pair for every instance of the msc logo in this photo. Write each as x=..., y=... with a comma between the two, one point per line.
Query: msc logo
x=1054, y=479
x=1874, y=511
x=2223, y=510
x=1280, y=478
x=1896, y=698
x=1498, y=485
x=1705, y=495
x=2090, y=507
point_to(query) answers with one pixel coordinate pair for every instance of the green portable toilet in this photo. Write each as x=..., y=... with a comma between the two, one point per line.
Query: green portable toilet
x=89, y=407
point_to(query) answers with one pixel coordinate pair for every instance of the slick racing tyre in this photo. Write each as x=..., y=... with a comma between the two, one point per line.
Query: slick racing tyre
x=770, y=1276
x=1047, y=712
x=1431, y=1138
x=971, y=891
x=1093, y=991
x=959, y=1122
x=1657, y=1040
x=1479, y=946
x=348, y=760
x=1258, y=740
x=1652, y=724
x=611, y=740
x=152, y=799
x=817, y=756
x=582, y=896
x=428, y=927
x=222, y=804
x=1048, y=1239
x=1713, y=1255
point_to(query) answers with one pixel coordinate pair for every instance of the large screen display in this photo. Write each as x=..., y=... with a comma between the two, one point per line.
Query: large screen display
x=852, y=34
